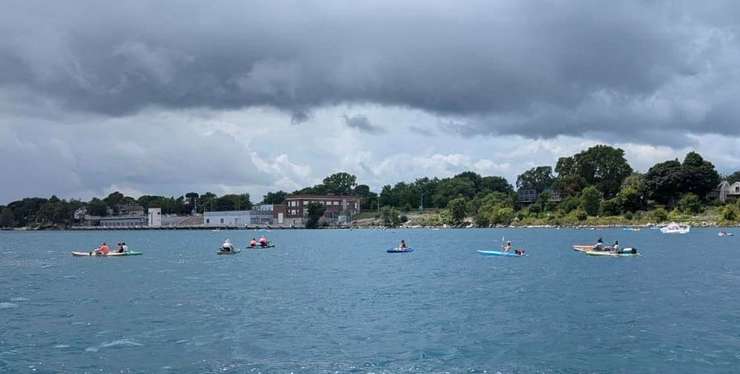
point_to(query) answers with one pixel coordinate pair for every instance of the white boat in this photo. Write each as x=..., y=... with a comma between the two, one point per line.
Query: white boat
x=675, y=228
x=725, y=233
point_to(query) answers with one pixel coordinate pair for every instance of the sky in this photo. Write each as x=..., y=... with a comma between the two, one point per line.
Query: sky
x=172, y=96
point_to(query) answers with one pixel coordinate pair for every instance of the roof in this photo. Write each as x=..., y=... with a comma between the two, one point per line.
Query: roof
x=322, y=197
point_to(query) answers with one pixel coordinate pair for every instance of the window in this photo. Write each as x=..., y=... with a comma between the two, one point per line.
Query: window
x=222, y=220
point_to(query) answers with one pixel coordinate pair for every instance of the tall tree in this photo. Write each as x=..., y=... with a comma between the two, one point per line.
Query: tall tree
x=591, y=200
x=494, y=184
x=340, y=183
x=457, y=210
x=538, y=178
x=663, y=182
x=315, y=212
x=601, y=166
x=274, y=197
x=698, y=175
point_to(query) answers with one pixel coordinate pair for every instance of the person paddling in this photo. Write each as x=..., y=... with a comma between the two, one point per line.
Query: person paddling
x=103, y=249
x=263, y=241
x=507, y=247
x=615, y=247
x=253, y=243
x=403, y=245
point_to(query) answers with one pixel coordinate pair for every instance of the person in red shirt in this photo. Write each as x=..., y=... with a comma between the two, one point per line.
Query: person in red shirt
x=103, y=249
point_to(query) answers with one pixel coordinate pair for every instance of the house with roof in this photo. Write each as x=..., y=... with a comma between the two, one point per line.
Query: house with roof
x=727, y=191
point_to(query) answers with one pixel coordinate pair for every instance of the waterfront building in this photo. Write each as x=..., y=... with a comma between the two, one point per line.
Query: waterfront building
x=339, y=209
x=529, y=196
x=727, y=191
x=229, y=218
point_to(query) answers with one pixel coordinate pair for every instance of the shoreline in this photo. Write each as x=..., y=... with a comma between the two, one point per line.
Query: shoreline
x=636, y=227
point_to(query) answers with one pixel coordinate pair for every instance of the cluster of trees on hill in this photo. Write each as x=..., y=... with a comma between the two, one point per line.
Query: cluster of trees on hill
x=595, y=182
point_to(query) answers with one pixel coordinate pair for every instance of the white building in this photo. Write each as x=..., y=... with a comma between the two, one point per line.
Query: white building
x=231, y=218
x=154, y=217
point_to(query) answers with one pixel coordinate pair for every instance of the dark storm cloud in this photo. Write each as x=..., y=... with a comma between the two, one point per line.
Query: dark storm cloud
x=360, y=122
x=537, y=69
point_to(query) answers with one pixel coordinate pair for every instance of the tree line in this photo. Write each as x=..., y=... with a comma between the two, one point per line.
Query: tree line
x=596, y=182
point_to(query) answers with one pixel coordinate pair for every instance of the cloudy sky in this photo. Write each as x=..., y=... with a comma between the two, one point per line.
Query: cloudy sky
x=166, y=97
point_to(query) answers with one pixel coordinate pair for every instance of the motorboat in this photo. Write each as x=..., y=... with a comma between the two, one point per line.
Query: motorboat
x=675, y=228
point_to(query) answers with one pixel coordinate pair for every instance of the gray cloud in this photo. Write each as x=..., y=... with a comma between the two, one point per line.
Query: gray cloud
x=537, y=69
x=360, y=122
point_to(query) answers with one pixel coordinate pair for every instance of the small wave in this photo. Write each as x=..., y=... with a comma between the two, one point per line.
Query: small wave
x=61, y=346
x=8, y=305
x=18, y=299
x=115, y=343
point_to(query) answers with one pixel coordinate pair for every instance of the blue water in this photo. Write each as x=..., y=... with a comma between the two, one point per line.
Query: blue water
x=334, y=301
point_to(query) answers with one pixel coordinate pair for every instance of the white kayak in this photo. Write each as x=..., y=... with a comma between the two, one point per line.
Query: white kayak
x=110, y=254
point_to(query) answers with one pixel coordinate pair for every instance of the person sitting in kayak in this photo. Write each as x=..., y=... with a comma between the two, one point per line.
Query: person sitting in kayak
x=615, y=247
x=227, y=246
x=263, y=241
x=253, y=243
x=103, y=250
x=124, y=248
x=507, y=247
x=519, y=252
x=402, y=245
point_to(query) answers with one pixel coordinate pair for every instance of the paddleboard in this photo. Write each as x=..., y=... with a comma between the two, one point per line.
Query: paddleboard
x=110, y=254
x=399, y=250
x=231, y=252
x=500, y=253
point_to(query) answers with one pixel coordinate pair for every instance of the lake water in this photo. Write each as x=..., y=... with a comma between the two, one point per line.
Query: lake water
x=333, y=301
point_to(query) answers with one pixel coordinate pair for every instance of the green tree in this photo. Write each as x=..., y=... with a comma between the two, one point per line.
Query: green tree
x=660, y=215
x=698, y=175
x=689, y=203
x=274, y=197
x=315, y=212
x=7, y=219
x=97, y=207
x=611, y=207
x=663, y=182
x=503, y=216
x=591, y=200
x=538, y=178
x=233, y=202
x=601, y=166
x=495, y=184
x=729, y=213
x=457, y=210
x=340, y=183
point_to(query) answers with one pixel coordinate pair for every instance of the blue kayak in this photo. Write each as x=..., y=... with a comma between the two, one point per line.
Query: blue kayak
x=399, y=250
x=500, y=253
